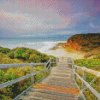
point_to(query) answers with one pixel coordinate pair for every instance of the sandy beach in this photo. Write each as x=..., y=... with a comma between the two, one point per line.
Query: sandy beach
x=60, y=52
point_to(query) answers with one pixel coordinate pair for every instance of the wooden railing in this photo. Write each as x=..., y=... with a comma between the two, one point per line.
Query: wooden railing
x=83, y=79
x=47, y=66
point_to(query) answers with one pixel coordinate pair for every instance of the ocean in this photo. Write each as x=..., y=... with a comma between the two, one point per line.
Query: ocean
x=42, y=44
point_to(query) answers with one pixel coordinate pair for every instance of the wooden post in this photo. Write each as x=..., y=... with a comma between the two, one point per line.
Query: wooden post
x=45, y=68
x=50, y=63
x=75, y=74
x=72, y=70
x=56, y=61
x=32, y=77
x=84, y=77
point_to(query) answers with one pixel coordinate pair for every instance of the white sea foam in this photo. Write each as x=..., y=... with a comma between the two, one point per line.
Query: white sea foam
x=40, y=46
x=48, y=45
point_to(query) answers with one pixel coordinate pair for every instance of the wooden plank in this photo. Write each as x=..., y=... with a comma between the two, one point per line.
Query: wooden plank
x=53, y=62
x=32, y=77
x=19, y=65
x=75, y=74
x=61, y=84
x=48, y=67
x=88, y=86
x=18, y=96
x=84, y=77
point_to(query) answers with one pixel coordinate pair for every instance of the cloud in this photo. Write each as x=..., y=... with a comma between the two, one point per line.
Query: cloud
x=62, y=7
x=68, y=32
x=23, y=21
x=27, y=35
x=14, y=17
x=44, y=16
x=28, y=21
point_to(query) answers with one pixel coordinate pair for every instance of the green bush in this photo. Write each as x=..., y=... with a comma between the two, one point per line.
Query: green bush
x=97, y=56
x=44, y=58
x=21, y=50
x=34, y=58
x=25, y=56
x=89, y=63
x=30, y=51
x=11, y=54
x=4, y=50
x=85, y=49
x=18, y=55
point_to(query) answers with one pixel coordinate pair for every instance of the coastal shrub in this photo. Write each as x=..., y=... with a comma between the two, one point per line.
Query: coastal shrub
x=91, y=64
x=97, y=56
x=3, y=55
x=29, y=51
x=13, y=90
x=11, y=54
x=44, y=58
x=12, y=73
x=19, y=52
x=85, y=49
x=25, y=56
x=34, y=58
x=18, y=55
x=4, y=50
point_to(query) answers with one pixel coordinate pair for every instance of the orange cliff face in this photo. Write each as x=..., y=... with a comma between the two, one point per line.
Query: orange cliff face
x=73, y=45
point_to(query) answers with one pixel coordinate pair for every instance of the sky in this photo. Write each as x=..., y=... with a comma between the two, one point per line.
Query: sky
x=25, y=18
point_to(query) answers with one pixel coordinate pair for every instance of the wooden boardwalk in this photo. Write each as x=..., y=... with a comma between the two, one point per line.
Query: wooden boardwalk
x=57, y=86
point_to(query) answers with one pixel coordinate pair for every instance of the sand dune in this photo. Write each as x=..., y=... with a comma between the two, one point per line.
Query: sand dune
x=60, y=52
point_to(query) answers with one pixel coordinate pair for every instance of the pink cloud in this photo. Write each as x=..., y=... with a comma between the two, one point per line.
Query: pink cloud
x=66, y=20
x=62, y=7
x=9, y=16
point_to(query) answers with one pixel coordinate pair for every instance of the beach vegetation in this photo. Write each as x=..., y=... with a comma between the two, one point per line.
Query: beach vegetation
x=28, y=55
x=93, y=64
x=4, y=50
x=20, y=55
x=34, y=58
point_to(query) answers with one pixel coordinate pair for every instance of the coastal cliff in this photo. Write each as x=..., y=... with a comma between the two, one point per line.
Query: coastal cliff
x=84, y=42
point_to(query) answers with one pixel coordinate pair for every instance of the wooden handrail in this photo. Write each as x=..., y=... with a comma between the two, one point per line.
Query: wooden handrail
x=74, y=73
x=84, y=69
x=89, y=87
x=24, y=77
x=19, y=65
x=95, y=73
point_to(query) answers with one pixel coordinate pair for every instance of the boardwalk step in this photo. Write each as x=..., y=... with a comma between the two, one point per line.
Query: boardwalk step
x=57, y=86
x=49, y=95
x=32, y=98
